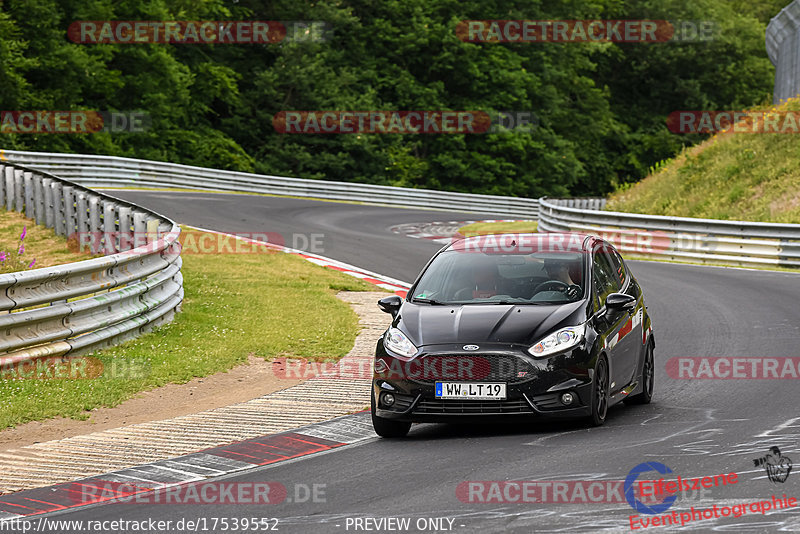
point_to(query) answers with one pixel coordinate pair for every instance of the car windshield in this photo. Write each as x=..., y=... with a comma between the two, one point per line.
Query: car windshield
x=456, y=277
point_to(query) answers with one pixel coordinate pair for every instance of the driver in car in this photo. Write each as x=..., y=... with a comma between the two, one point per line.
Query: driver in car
x=558, y=271
x=484, y=281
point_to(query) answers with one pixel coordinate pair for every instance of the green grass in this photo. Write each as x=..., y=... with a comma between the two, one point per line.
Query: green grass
x=731, y=176
x=515, y=227
x=267, y=304
x=41, y=244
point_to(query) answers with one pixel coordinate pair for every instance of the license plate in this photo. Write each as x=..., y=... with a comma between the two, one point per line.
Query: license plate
x=471, y=390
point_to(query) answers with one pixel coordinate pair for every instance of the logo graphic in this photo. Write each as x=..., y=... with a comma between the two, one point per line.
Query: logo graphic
x=471, y=347
x=776, y=465
x=629, y=486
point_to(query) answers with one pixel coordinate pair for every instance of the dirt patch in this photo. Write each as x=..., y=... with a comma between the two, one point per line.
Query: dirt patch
x=240, y=384
x=786, y=203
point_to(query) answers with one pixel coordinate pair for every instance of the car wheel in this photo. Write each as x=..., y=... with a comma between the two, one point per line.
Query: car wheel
x=386, y=428
x=648, y=379
x=600, y=393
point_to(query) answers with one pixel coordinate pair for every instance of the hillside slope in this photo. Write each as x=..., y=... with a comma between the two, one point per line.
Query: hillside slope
x=733, y=176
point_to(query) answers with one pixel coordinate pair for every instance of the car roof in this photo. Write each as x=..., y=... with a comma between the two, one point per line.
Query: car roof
x=527, y=242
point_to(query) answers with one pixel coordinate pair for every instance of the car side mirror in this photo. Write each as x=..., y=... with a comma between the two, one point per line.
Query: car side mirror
x=390, y=304
x=618, y=302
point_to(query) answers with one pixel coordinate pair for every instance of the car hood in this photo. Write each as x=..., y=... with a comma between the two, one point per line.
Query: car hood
x=493, y=323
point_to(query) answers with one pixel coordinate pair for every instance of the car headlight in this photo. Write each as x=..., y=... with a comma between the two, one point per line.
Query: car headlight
x=563, y=339
x=396, y=341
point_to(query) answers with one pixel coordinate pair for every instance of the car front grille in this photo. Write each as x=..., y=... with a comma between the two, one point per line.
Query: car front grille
x=472, y=407
x=481, y=368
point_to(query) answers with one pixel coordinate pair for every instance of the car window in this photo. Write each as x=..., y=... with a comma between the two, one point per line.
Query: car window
x=618, y=264
x=467, y=277
x=605, y=278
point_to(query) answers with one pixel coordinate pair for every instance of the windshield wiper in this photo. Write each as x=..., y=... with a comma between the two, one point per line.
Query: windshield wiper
x=429, y=301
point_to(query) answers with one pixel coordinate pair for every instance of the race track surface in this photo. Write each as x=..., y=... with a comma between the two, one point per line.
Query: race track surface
x=696, y=427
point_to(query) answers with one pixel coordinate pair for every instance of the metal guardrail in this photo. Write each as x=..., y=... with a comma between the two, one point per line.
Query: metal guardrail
x=111, y=171
x=782, y=41
x=739, y=243
x=84, y=306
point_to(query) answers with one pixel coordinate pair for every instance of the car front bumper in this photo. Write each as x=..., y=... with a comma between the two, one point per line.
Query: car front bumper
x=534, y=386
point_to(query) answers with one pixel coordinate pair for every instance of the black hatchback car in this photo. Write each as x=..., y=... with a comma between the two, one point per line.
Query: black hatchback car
x=514, y=325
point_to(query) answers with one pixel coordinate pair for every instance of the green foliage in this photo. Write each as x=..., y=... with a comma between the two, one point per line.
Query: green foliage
x=601, y=107
x=649, y=81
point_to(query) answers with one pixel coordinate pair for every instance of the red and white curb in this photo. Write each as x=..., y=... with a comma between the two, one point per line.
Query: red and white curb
x=398, y=287
x=145, y=481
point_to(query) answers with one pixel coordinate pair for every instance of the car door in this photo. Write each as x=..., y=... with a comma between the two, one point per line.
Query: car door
x=614, y=327
x=630, y=340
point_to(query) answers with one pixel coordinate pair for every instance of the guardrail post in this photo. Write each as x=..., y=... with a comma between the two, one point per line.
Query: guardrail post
x=58, y=208
x=9, y=188
x=110, y=227
x=70, y=219
x=2, y=185
x=140, y=227
x=152, y=230
x=163, y=229
x=95, y=226
x=29, y=204
x=82, y=212
x=19, y=198
x=126, y=241
x=38, y=199
x=49, y=214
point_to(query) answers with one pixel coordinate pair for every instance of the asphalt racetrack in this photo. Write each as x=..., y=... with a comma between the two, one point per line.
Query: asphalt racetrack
x=697, y=427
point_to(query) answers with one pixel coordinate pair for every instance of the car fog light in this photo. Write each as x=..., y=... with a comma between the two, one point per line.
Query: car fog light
x=566, y=398
x=388, y=399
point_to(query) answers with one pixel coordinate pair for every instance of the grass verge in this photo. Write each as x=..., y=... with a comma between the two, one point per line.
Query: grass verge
x=41, y=244
x=269, y=304
x=482, y=228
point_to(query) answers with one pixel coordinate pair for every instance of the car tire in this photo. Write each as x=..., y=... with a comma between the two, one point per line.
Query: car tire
x=648, y=379
x=600, y=393
x=386, y=428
